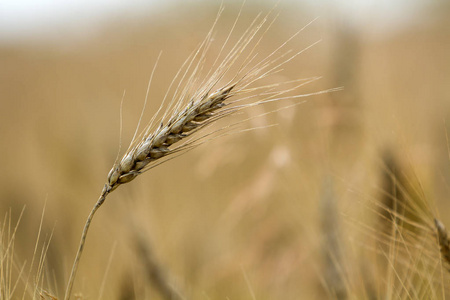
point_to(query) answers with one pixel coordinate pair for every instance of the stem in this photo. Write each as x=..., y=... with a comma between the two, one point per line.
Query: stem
x=82, y=242
x=155, y=270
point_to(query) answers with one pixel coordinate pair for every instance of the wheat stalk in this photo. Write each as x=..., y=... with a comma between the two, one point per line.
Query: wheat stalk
x=197, y=103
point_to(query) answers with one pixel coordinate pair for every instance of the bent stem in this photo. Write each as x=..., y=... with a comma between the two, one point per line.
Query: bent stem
x=99, y=203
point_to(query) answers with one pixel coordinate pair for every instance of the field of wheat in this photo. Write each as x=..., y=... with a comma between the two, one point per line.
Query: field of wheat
x=343, y=194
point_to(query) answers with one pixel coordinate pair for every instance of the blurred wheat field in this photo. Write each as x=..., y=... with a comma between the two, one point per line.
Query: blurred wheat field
x=285, y=212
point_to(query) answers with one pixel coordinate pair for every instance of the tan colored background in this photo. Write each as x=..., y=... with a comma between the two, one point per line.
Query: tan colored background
x=242, y=214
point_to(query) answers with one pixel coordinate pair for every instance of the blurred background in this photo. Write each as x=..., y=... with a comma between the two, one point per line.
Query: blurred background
x=249, y=216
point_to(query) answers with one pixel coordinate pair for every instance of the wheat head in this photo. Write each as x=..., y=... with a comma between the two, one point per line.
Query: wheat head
x=199, y=99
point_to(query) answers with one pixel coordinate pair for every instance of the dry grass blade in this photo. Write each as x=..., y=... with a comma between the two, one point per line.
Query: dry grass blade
x=199, y=100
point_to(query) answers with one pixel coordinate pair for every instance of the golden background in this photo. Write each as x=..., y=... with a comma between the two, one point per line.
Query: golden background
x=242, y=217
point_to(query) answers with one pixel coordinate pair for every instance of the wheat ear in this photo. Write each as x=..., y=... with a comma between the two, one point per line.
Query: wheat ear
x=443, y=240
x=197, y=103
